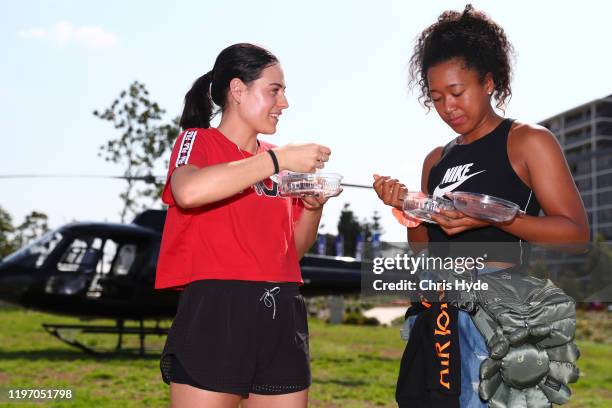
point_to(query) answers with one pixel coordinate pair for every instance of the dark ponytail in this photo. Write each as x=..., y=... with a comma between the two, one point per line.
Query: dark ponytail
x=198, y=104
x=243, y=61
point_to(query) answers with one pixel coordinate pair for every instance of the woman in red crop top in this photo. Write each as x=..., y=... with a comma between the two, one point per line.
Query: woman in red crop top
x=233, y=244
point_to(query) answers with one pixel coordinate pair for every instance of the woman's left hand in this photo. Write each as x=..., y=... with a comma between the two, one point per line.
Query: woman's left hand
x=316, y=202
x=453, y=222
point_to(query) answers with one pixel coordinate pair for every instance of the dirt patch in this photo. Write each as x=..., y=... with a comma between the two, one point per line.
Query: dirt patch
x=392, y=353
x=71, y=376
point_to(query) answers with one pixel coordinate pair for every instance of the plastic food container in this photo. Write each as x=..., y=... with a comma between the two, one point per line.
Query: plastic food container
x=485, y=207
x=423, y=206
x=309, y=184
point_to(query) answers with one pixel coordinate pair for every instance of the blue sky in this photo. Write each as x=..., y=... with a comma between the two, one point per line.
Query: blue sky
x=345, y=66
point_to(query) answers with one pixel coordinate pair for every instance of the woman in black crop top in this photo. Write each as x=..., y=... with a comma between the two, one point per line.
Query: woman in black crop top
x=461, y=64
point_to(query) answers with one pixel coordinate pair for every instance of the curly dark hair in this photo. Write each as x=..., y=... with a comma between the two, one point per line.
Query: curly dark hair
x=471, y=36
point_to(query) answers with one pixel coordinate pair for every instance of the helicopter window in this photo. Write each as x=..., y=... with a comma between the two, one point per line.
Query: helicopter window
x=125, y=259
x=81, y=256
x=35, y=253
x=106, y=261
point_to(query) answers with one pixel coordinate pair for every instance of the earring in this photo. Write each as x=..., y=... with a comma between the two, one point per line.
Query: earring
x=490, y=92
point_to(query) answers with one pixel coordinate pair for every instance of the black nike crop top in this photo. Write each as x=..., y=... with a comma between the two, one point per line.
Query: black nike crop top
x=483, y=167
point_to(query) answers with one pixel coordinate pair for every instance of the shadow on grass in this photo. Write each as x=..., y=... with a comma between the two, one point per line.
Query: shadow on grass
x=344, y=383
x=376, y=358
x=329, y=359
x=58, y=354
x=353, y=359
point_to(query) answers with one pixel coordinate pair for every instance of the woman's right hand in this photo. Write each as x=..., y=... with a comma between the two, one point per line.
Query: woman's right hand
x=390, y=191
x=302, y=157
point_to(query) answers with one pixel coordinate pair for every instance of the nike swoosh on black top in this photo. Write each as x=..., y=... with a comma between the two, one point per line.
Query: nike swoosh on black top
x=440, y=192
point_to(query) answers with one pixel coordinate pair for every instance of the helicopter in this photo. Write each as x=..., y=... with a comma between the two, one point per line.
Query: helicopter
x=94, y=270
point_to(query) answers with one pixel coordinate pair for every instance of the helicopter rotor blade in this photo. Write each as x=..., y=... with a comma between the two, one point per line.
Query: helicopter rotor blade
x=149, y=178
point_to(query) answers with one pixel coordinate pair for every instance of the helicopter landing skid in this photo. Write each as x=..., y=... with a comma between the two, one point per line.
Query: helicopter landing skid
x=57, y=329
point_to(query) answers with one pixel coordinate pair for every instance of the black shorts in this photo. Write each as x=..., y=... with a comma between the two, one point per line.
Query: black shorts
x=239, y=337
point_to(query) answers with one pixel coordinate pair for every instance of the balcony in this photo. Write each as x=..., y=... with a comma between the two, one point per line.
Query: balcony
x=603, y=110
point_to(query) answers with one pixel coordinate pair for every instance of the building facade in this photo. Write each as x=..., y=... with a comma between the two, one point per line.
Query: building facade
x=585, y=133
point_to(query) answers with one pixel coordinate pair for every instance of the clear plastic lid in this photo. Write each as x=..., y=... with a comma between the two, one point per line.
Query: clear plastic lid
x=309, y=184
x=423, y=206
x=485, y=207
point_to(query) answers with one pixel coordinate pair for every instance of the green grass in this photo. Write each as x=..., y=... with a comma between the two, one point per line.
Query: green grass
x=594, y=388
x=353, y=366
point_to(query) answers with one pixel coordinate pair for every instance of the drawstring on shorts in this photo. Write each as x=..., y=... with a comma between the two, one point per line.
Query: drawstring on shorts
x=269, y=294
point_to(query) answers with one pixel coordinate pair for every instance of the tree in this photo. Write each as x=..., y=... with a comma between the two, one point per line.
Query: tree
x=12, y=238
x=598, y=264
x=369, y=227
x=144, y=140
x=34, y=226
x=350, y=227
x=7, y=245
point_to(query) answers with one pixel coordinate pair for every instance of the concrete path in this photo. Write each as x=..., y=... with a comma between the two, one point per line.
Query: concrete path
x=386, y=315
